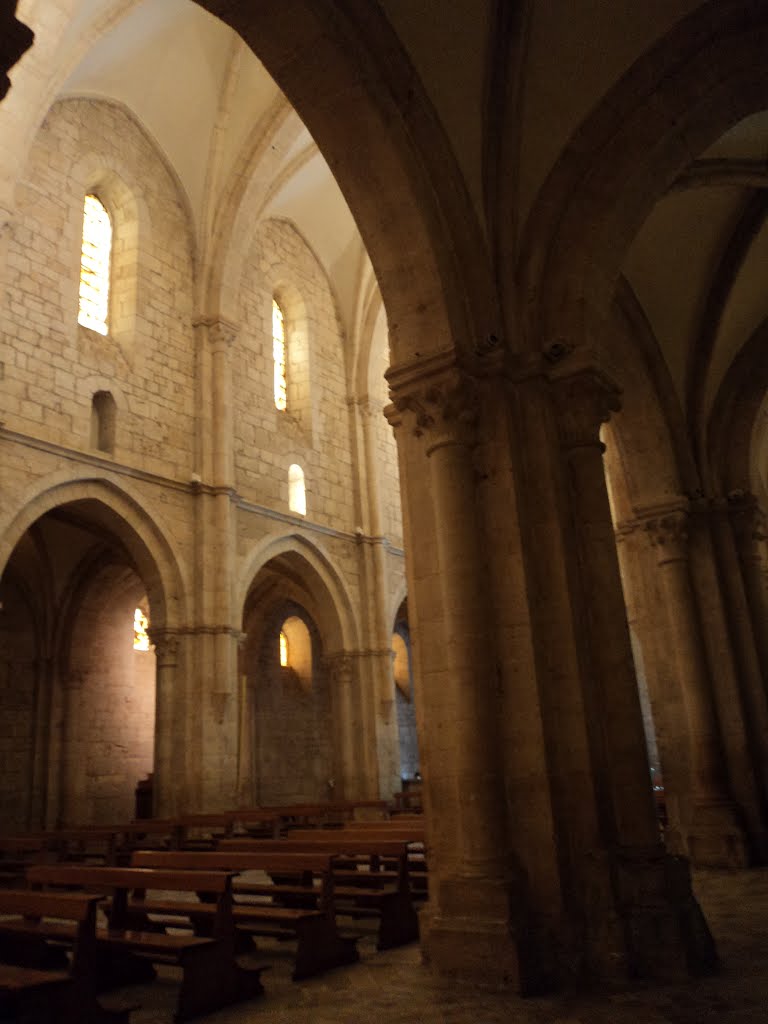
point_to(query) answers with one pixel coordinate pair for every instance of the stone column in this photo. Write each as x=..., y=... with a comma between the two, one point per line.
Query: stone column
x=751, y=532
x=584, y=400
x=714, y=836
x=169, y=722
x=470, y=886
x=347, y=725
x=217, y=628
x=372, y=549
x=639, y=577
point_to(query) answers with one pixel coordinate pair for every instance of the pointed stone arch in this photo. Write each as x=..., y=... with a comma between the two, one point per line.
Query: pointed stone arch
x=390, y=158
x=338, y=623
x=123, y=514
x=707, y=74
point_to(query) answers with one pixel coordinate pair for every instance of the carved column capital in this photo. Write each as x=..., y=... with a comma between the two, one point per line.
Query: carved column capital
x=442, y=410
x=669, y=532
x=747, y=517
x=584, y=400
x=340, y=666
x=166, y=644
x=626, y=529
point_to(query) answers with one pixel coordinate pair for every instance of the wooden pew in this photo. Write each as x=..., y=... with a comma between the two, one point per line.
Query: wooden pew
x=157, y=833
x=17, y=852
x=125, y=951
x=87, y=843
x=335, y=812
x=32, y=990
x=312, y=923
x=202, y=831
x=357, y=892
x=372, y=836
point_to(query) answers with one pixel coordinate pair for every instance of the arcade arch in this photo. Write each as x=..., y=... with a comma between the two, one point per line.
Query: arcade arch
x=303, y=722
x=72, y=584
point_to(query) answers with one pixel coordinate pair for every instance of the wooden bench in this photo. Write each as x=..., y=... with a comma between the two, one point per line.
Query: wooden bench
x=36, y=982
x=87, y=843
x=360, y=890
x=157, y=833
x=128, y=948
x=301, y=911
x=370, y=840
x=17, y=852
x=202, y=831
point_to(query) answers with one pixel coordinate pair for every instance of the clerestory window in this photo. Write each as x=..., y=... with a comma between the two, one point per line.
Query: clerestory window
x=278, y=357
x=95, y=261
x=297, y=494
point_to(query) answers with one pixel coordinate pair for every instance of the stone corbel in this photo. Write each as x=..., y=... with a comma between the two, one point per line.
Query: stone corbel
x=221, y=333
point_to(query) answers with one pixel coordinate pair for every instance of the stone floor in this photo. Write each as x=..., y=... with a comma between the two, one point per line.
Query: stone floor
x=394, y=988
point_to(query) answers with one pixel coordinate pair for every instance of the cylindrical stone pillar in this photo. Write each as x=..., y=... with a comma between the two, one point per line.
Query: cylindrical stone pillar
x=714, y=836
x=584, y=400
x=168, y=722
x=435, y=423
x=750, y=534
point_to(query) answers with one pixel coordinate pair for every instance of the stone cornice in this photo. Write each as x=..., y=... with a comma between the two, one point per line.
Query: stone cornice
x=192, y=487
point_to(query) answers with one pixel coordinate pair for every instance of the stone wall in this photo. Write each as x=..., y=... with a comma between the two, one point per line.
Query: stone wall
x=52, y=365
x=293, y=733
x=314, y=430
x=18, y=665
x=109, y=697
x=154, y=366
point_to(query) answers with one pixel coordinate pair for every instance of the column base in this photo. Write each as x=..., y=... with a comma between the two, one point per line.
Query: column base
x=666, y=934
x=635, y=916
x=715, y=839
x=468, y=931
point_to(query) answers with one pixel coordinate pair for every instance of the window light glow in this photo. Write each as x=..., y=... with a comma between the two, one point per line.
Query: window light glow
x=297, y=495
x=140, y=634
x=94, y=266
x=278, y=356
x=283, y=650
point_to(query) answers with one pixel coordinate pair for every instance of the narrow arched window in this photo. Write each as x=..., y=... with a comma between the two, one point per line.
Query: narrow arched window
x=95, y=258
x=296, y=647
x=278, y=356
x=103, y=421
x=297, y=495
x=140, y=634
